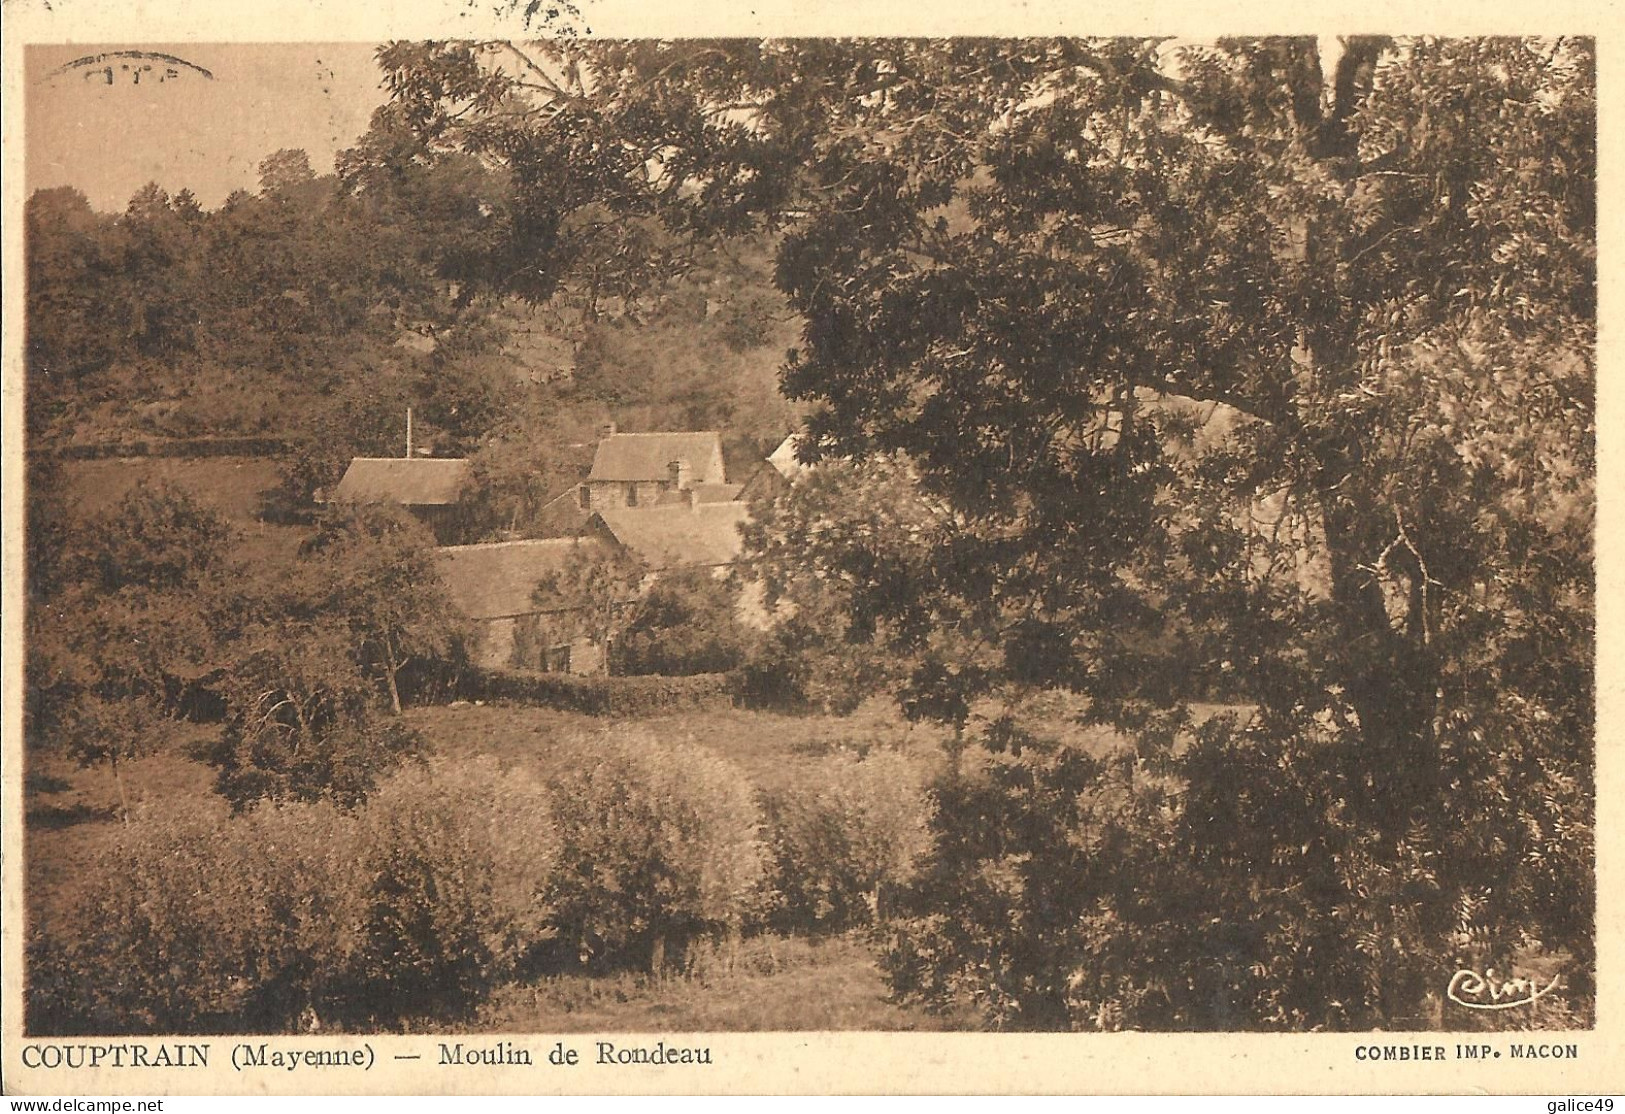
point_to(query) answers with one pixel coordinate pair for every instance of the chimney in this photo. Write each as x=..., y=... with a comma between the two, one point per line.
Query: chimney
x=408, y=433
x=679, y=476
x=608, y=430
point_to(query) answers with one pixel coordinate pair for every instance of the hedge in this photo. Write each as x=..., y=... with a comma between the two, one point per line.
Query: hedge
x=660, y=845
x=599, y=696
x=846, y=838
x=414, y=906
x=179, y=447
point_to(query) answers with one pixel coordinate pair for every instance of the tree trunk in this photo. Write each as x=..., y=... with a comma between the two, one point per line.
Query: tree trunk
x=118, y=781
x=1390, y=677
x=391, y=668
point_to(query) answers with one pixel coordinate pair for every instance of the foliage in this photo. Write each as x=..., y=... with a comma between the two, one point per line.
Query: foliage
x=599, y=696
x=48, y=535
x=842, y=556
x=158, y=537
x=839, y=852
x=517, y=473
x=93, y=729
x=171, y=320
x=212, y=926
x=455, y=859
x=68, y=246
x=362, y=416
x=676, y=367
x=1371, y=272
x=587, y=597
x=659, y=844
x=289, y=918
x=376, y=573
x=686, y=623
x=284, y=171
x=123, y=630
x=301, y=721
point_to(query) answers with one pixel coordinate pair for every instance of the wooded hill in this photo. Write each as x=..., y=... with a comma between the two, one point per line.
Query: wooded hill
x=318, y=309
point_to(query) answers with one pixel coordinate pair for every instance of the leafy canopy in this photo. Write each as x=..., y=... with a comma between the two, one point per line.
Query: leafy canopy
x=1263, y=368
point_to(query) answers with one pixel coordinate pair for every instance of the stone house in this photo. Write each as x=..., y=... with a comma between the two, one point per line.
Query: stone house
x=494, y=585
x=431, y=488
x=639, y=470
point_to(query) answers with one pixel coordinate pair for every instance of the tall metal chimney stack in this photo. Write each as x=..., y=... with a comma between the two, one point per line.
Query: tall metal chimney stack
x=408, y=433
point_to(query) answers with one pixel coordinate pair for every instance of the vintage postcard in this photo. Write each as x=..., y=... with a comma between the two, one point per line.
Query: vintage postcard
x=609, y=548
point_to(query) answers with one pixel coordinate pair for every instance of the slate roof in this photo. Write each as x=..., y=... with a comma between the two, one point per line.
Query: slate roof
x=679, y=535
x=410, y=481
x=647, y=456
x=496, y=580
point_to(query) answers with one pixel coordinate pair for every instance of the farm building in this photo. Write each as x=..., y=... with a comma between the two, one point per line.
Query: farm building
x=656, y=469
x=430, y=487
x=685, y=536
x=494, y=585
x=675, y=536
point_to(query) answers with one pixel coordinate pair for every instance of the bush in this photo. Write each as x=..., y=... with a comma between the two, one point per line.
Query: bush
x=688, y=623
x=598, y=696
x=301, y=723
x=296, y=916
x=660, y=844
x=210, y=924
x=839, y=852
x=455, y=860
x=158, y=536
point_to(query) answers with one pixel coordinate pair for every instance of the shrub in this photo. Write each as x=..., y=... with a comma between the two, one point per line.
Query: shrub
x=293, y=916
x=158, y=536
x=839, y=851
x=301, y=724
x=660, y=843
x=210, y=924
x=373, y=567
x=687, y=623
x=454, y=860
x=597, y=696
x=94, y=731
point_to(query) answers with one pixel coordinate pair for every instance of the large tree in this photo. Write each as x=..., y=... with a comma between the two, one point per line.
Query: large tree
x=118, y=622
x=373, y=569
x=1264, y=367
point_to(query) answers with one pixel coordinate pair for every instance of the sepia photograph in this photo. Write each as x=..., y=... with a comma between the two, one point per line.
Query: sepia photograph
x=630, y=537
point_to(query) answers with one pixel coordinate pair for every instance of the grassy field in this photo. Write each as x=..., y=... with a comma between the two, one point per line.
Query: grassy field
x=766, y=983
x=232, y=485
x=72, y=811
x=763, y=982
x=775, y=752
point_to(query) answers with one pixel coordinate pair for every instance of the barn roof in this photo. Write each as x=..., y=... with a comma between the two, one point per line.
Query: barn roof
x=496, y=580
x=410, y=481
x=647, y=456
x=679, y=535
